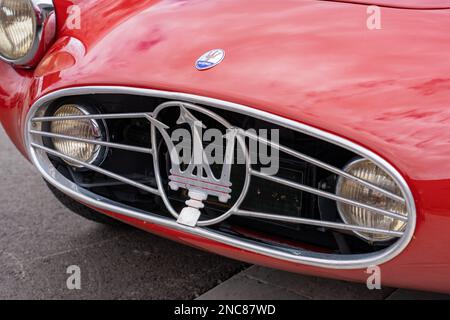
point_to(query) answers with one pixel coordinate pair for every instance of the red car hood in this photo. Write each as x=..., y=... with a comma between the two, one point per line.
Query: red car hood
x=406, y=4
x=315, y=62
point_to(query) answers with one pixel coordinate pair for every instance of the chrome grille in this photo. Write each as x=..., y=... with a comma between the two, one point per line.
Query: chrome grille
x=40, y=153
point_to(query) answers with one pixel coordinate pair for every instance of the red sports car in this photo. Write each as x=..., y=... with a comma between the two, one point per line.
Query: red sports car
x=305, y=135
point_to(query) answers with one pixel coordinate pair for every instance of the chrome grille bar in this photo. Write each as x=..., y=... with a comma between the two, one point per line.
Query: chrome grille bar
x=253, y=172
x=96, y=142
x=97, y=169
x=323, y=165
x=328, y=195
x=317, y=223
x=94, y=117
x=282, y=148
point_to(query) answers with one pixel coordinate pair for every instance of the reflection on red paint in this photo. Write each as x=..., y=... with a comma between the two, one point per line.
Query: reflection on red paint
x=63, y=55
x=54, y=63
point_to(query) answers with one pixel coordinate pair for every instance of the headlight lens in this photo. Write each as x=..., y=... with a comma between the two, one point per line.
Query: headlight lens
x=368, y=171
x=84, y=129
x=17, y=28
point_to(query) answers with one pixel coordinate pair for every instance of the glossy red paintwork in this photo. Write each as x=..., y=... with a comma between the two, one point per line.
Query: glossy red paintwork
x=311, y=61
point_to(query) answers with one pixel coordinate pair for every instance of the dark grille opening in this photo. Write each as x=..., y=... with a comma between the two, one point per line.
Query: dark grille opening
x=293, y=211
x=263, y=196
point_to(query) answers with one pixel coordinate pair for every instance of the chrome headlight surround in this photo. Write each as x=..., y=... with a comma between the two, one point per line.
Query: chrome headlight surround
x=96, y=130
x=362, y=217
x=44, y=24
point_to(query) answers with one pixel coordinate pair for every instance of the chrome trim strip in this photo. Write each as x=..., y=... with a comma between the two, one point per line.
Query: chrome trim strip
x=97, y=169
x=94, y=117
x=328, y=195
x=332, y=261
x=96, y=142
x=318, y=223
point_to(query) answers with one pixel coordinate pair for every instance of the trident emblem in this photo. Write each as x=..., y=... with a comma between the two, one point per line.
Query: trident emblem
x=198, y=177
x=213, y=54
x=210, y=59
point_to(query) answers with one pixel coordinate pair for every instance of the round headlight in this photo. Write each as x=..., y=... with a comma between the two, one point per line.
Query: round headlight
x=86, y=129
x=368, y=171
x=17, y=28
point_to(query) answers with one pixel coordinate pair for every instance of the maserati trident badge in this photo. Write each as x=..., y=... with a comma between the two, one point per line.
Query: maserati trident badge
x=196, y=176
x=210, y=59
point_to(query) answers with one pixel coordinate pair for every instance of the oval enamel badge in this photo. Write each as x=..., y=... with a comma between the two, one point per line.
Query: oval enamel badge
x=210, y=59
